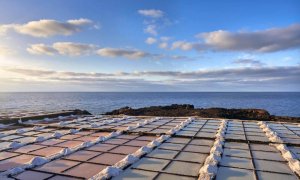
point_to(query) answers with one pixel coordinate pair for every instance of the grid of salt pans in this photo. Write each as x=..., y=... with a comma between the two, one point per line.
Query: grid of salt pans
x=245, y=154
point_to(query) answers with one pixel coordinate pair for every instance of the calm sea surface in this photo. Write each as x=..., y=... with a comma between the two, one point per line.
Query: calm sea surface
x=275, y=103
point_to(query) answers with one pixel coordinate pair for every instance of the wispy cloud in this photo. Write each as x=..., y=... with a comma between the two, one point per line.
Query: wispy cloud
x=154, y=20
x=250, y=62
x=151, y=40
x=151, y=29
x=183, y=45
x=163, y=45
x=246, y=73
x=5, y=51
x=47, y=27
x=153, y=13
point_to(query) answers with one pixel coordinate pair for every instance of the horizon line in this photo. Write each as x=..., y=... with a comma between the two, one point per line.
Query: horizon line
x=149, y=91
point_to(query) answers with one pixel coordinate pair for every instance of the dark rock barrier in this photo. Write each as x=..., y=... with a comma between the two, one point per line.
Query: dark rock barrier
x=47, y=115
x=189, y=110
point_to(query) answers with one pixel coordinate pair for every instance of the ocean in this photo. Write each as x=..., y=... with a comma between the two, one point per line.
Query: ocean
x=277, y=103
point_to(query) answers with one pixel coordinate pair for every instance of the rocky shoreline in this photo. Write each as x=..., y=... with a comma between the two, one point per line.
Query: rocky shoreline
x=49, y=115
x=176, y=110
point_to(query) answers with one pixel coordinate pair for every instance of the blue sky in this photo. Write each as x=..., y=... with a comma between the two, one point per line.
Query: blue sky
x=140, y=45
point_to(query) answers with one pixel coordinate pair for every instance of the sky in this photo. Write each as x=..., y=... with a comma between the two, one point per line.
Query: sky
x=140, y=45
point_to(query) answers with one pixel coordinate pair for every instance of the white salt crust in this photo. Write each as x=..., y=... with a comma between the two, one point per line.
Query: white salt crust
x=210, y=168
x=14, y=145
x=78, y=119
x=116, y=169
x=5, y=125
x=105, y=122
x=140, y=124
x=272, y=135
x=64, y=152
x=39, y=139
x=49, y=119
x=93, y=125
x=293, y=162
x=20, y=131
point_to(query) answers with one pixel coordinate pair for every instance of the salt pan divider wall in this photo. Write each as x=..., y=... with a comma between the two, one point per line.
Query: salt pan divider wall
x=293, y=162
x=210, y=167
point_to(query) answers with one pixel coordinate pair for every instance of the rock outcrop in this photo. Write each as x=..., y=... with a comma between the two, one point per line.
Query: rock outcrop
x=47, y=115
x=189, y=110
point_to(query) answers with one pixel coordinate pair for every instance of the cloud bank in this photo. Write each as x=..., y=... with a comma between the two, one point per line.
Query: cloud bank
x=269, y=40
x=257, y=78
x=263, y=41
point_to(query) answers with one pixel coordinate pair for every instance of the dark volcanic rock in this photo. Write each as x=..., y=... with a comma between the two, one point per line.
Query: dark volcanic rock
x=81, y=112
x=52, y=115
x=285, y=118
x=189, y=110
x=259, y=114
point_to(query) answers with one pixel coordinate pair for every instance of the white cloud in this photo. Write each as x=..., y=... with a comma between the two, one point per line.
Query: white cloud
x=5, y=51
x=79, y=22
x=62, y=48
x=153, y=13
x=114, y=52
x=270, y=40
x=74, y=49
x=151, y=29
x=163, y=45
x=165, y=38
x=79, y=49
x=137, y=54
x=150, y=40
x=47, y=27
x=154, y=21
x=41, y=49
x=183, y=45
